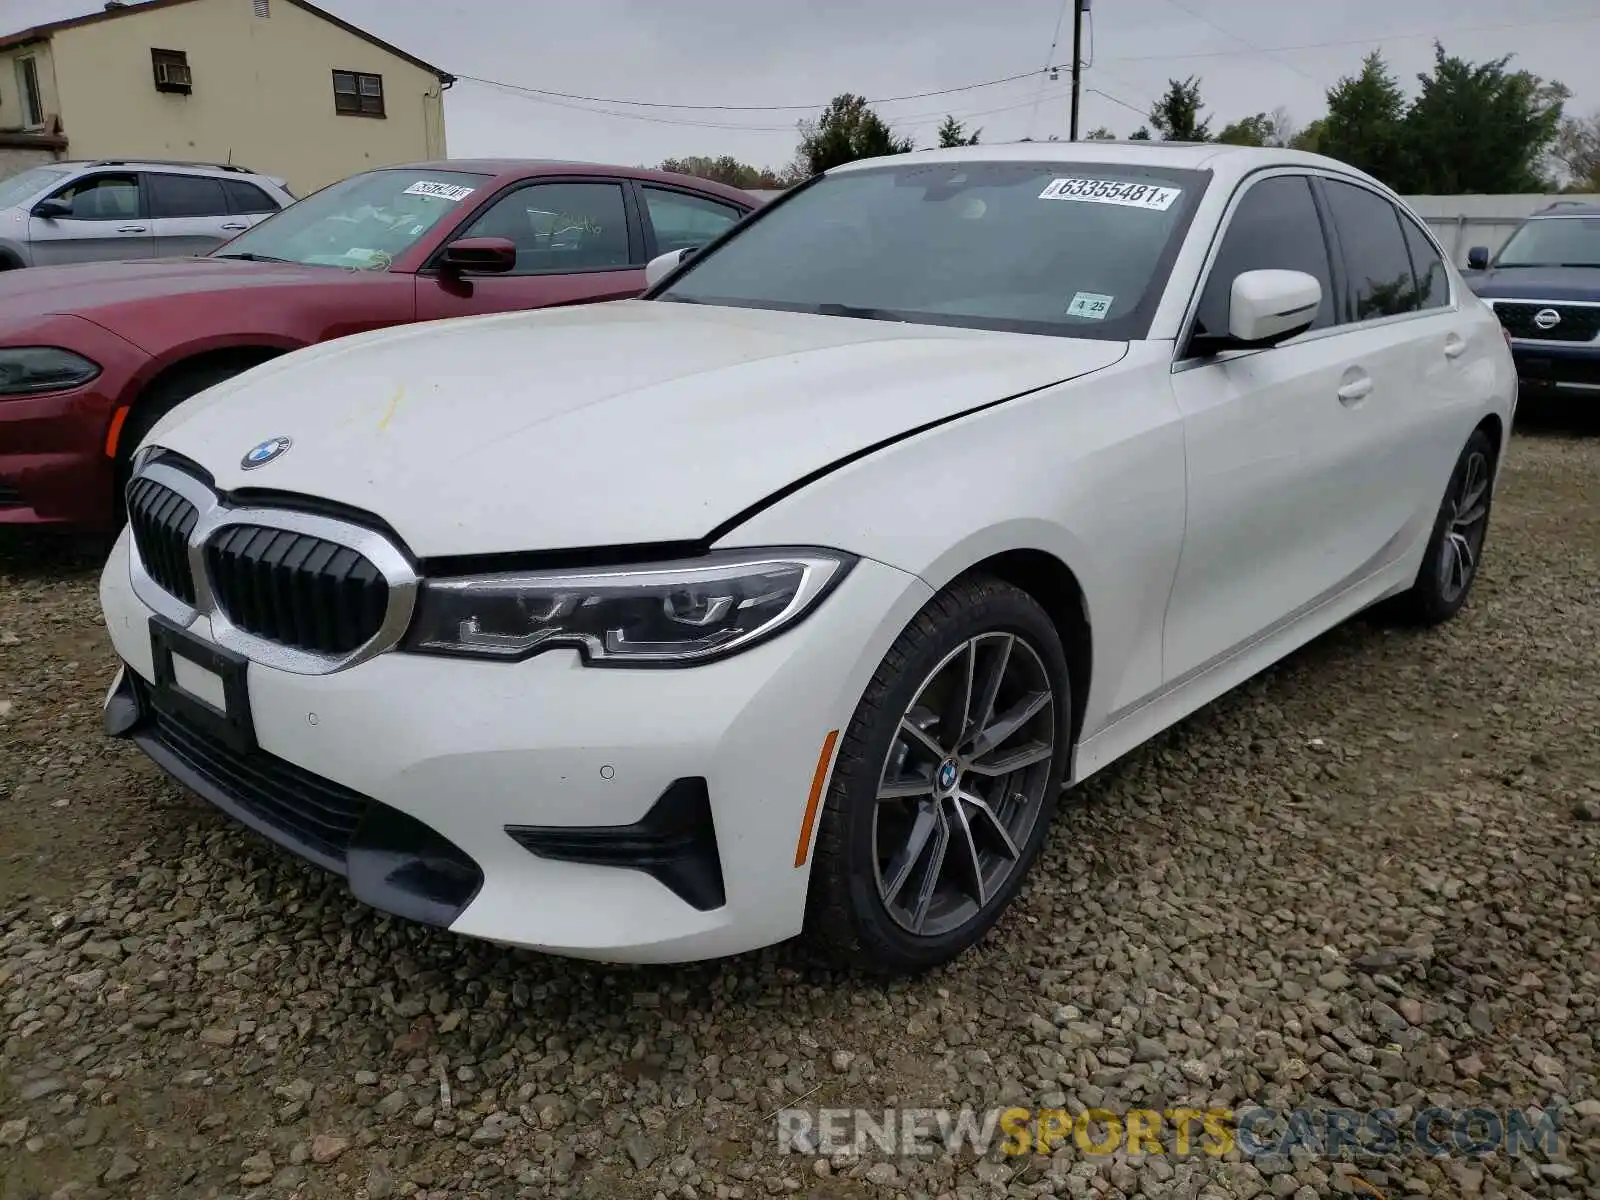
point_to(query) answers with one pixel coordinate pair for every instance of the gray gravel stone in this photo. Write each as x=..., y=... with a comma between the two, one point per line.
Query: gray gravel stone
x=1280, y=902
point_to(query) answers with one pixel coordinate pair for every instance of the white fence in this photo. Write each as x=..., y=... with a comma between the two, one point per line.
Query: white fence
x=1460, y=222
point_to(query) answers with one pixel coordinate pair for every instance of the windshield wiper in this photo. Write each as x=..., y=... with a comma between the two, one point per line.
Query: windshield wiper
x=853, y=310
x=247, y=256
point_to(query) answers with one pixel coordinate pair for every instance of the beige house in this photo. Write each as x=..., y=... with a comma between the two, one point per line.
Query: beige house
x=278, y=86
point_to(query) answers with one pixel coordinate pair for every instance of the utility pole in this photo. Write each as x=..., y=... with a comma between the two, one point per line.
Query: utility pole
x=1077, y=60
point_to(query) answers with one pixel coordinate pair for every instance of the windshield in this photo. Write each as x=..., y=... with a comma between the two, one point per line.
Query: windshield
x=362, y=223
x=1075, y=249
x=23, y=186
x=1554, y=242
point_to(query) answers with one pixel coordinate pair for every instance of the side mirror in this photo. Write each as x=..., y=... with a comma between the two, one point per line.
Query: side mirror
x=1478, y=258
x=1269, y=306
x=52, y=209
x=481, y=255
x=662, y=265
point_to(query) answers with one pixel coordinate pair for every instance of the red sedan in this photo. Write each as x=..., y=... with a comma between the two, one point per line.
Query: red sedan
x=91, y=355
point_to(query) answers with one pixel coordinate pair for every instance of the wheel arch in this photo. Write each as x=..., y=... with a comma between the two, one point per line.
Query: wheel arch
x=1057, y=589
x=241, y=356
x=1494, y=428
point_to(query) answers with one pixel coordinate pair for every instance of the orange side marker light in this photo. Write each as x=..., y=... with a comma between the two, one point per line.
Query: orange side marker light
x=115, y=432
x=802, y=850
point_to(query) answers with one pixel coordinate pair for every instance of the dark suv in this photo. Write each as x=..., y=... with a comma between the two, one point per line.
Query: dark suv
x=1544, y=285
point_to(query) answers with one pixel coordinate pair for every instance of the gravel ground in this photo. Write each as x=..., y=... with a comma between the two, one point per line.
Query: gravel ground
x=1371, y=877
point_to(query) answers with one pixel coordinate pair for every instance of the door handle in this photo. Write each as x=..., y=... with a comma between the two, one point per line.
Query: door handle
x=236, y=225
x=1356, y=390
x=131, y=229
x=1454, y=346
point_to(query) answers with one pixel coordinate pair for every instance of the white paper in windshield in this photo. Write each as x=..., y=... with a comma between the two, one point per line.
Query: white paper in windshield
x=1092, y=306
x=441, y=191
x=1109, y=191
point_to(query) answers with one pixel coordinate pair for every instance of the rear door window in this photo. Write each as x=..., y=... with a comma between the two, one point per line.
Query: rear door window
x=681, y=220
x=186, y=196
x=1433, y=283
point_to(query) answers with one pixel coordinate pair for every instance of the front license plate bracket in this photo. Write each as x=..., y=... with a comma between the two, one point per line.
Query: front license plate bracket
x=230, y=723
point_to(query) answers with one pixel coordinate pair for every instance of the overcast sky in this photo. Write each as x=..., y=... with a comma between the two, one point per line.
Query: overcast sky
x=801, y=52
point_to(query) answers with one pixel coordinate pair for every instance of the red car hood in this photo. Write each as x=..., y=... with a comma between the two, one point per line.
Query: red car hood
x=94, y=289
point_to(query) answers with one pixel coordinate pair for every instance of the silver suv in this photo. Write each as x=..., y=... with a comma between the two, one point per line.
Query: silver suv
x=70, y=212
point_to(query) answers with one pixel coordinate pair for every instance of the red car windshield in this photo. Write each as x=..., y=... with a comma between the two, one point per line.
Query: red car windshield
x=359, y=224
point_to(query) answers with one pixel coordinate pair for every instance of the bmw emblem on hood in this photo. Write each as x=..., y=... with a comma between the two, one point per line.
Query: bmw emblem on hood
x=263, y=453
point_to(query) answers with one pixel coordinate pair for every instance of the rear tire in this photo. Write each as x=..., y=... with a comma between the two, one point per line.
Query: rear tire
x=1455, y=549
x=918, y=853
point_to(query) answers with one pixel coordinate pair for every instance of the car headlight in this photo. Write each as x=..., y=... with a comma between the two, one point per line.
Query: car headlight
x=664, y=614
x=25, y=370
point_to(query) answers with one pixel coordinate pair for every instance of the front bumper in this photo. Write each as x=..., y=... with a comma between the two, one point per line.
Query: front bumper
x=535, y=803
x=1568, y=370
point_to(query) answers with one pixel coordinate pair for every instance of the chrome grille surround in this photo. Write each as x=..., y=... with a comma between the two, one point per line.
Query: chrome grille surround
x=215, y=515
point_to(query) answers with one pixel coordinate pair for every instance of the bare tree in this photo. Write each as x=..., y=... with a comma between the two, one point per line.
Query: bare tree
x=1575, y=155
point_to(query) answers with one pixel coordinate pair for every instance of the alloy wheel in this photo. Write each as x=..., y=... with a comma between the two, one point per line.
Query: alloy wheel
x=963, y=783
x=1469, y=520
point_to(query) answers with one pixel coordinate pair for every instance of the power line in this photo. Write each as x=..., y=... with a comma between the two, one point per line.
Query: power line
x=1201, y=17
x=906, y=120
x=551, y=94
x=1050, y=57
x=578, y=102
x=1121, y=82
x=1107, y=95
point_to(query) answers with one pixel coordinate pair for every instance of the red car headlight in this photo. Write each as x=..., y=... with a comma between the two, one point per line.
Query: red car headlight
x=25, y=370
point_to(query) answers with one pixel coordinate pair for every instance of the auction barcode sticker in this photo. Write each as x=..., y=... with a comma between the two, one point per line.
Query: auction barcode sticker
x=1107, y=191
x=442, y=191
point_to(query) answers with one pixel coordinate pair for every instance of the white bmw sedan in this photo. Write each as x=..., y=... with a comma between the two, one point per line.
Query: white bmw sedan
x=785, y=600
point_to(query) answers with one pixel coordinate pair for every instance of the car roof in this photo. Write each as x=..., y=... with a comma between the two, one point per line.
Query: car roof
x=507, y=170
x=164, y=164
x=1233, y=161
x=1569, y=208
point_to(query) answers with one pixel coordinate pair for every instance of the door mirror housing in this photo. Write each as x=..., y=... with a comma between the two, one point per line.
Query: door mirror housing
x=1478, y=258
x=662, y=265
x=1269, y=306
x=52, y=209
x=1264, y=308
x=480, y=256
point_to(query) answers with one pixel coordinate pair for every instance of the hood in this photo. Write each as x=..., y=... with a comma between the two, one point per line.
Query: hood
x=82, y=289
x=608, y=424
x=1535, y=283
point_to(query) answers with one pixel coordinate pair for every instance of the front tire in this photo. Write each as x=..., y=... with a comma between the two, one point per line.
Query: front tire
x=1455, y=550
x=945, y=783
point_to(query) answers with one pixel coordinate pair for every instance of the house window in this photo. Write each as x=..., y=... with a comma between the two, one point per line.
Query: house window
x=263, y=8
x=172, y=71
x=356, y=94
x=28, y=88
